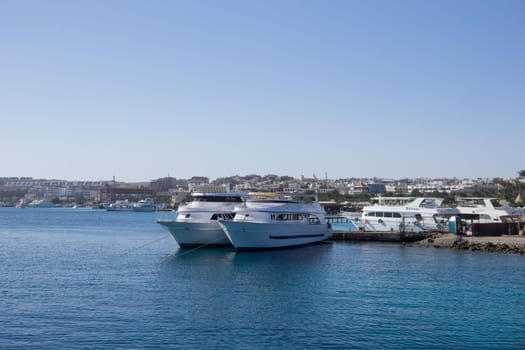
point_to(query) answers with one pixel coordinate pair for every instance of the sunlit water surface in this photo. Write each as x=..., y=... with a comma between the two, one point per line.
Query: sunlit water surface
x=82, y=278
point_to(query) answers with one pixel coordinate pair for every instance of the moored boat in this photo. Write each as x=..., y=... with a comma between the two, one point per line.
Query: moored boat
x=406, y=214
x=486, y=210
x=41, y=203
x=145, y=205
x=120, y=205
x=197, y=223
x=278, y=221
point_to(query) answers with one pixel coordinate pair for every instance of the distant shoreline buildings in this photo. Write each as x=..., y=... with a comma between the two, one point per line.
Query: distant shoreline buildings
x=171, y=190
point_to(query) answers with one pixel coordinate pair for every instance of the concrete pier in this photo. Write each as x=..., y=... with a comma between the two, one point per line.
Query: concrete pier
x=380, y=236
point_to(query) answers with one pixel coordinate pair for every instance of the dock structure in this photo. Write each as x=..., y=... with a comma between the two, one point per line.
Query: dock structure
x=380, y=236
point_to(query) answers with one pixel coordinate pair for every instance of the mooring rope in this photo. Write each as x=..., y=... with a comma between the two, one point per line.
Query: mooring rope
x=176, y=255
x=197, y=248
x=145, y=244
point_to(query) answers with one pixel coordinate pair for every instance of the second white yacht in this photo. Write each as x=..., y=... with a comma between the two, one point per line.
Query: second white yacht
x=277, y=221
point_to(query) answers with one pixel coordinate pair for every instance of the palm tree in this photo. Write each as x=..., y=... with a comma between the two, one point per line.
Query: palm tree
x=519, y=198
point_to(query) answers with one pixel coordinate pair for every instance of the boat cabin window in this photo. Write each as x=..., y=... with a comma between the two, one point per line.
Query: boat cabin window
x=187, y=216
x=496, y=203
x=313, y=220
x=336, y=219
x=286, y=217
x=222, y=216
x=428, y=203
x=386, y=214
x=419, y=217
x=229, y=199
x=477, y=201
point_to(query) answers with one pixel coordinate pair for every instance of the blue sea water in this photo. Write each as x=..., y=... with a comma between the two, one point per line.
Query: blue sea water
x=91, y=279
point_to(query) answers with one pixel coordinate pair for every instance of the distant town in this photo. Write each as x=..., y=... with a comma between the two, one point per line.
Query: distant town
x=171, y=191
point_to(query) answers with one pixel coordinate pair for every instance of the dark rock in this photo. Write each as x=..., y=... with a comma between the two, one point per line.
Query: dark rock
x=460, y=245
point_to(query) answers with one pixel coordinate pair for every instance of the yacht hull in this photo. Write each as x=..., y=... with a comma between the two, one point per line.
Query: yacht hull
x=196, y=234
x=119, y=209
x=392, y=225
x=144, y=209
x=260, y=236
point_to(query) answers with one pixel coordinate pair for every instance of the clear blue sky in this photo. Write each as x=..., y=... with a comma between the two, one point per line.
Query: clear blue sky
x=142, y=89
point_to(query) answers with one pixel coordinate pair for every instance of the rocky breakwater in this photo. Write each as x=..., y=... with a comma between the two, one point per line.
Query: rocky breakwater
x=496, y=244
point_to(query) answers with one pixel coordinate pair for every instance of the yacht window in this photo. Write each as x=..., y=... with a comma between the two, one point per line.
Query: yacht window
x=397, y=215
x=428, y=203
x=223, y=216
x=419, y=217
x=387, y=214
x=313, y=220
x=495, y=202
x=289, y=217
x=229, y=199
x=187, y=216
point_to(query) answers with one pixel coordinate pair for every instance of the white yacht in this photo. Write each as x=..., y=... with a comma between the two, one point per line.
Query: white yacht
x=120, y=205
x=406, y=214
x=147, y=204
x=21, y=203
x=277, y=221
x=197, y=224
x=486, y=210
x=41, y=203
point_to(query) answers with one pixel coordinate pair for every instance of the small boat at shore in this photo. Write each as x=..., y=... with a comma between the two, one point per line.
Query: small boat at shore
x=277, y=221
x=120, y=205
x=41, y=203
x=145, y=205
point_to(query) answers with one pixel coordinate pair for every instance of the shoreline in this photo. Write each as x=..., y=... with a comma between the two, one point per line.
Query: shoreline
x=495, y=244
